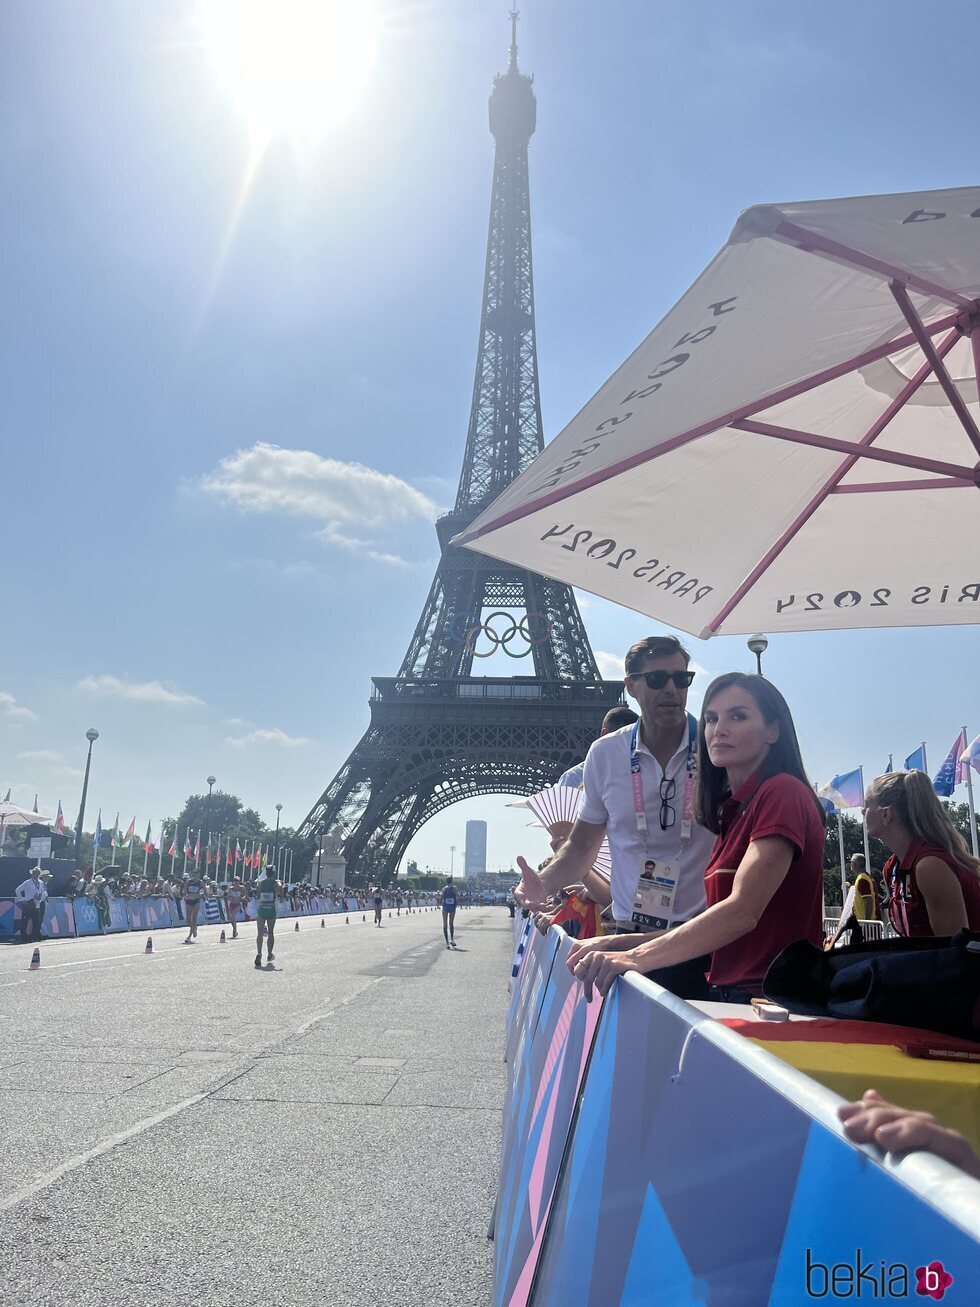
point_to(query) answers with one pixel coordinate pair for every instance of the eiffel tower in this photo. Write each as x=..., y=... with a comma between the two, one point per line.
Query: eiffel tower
x=438, y=733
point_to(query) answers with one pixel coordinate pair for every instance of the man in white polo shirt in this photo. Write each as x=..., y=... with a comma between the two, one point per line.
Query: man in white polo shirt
x=639, y=791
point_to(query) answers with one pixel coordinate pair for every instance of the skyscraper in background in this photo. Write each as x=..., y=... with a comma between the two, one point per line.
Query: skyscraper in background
x=475, y=856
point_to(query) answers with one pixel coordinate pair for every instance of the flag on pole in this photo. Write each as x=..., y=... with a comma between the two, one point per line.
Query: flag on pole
x=970, y=757
x=197, y=848
x=228, y=852
x=7, y=797
x=35, y=803
x=952, y=772
x=115, y=834
x=97, y=838
x=916, y=761
x=188, y=851
x=127, y=839
x=890, y=768
x=59, y=821
x=238, y=852
x=172, y=853
x=845, y=790
x=148, y=843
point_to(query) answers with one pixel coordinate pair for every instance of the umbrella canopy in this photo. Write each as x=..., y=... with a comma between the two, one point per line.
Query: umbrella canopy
x=795, y=445
x=12, y=815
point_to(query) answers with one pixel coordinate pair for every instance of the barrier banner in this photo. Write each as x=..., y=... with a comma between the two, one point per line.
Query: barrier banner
x=118, y=913
x=692, y=1178
x=59, y=919
x=520, y=947
x=539, y=1113
x=158, y=913
x=211, y=913
x=535, y=971
x=86, y=917
x=7, y=922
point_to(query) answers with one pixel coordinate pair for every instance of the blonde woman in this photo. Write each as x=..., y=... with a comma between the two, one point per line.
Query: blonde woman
x=932, y=879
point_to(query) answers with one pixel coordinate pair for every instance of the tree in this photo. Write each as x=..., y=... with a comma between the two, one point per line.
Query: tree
x=228, y=817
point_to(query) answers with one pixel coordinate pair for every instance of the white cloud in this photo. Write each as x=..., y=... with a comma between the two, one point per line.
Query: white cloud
x=265, y=737
x=269, y=479
x=9, y=707
x=610, y=665
x=116, y=687
x=365, y=547
x=51, y=764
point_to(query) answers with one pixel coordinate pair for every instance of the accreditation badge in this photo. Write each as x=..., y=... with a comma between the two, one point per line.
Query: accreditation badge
x=653, y=906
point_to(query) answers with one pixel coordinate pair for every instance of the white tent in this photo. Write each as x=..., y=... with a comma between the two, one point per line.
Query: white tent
x=794, y=446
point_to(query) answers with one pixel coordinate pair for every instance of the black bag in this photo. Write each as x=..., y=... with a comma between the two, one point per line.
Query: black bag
x=929, y=982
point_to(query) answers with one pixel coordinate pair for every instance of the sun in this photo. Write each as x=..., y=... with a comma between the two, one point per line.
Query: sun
x=294, y=68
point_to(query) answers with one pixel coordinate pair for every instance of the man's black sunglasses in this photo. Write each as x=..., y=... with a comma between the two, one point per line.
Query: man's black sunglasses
x=657, y=680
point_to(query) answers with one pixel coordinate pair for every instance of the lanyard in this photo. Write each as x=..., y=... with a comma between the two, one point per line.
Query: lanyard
x=687, y=805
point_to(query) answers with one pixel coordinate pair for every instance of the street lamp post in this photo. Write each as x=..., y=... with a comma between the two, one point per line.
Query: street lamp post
x=452, y=860
x=207, y=843
x=319, y=854
x=758, y=644
x=91, y=735
x=275, y=847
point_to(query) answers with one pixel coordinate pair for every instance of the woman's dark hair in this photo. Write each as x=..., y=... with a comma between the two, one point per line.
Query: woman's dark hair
x=783, y=756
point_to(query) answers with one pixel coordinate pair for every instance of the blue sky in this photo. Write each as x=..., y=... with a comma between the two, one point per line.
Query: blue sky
x=227, y=424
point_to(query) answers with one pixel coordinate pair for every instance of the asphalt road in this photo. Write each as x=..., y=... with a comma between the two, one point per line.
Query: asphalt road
x=184, y=1129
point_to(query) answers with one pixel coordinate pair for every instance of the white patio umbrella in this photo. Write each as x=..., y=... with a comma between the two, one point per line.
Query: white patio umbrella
x=13, y=815
x=795, y=446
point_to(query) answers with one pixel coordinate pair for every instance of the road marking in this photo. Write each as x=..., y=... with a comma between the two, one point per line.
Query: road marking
x=81, y=1159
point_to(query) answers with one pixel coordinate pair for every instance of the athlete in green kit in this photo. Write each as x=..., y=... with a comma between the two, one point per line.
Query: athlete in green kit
x=265, y=918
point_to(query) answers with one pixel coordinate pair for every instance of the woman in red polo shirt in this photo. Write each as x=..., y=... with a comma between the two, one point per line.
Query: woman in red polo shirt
x=932, y=879
x=764, y=881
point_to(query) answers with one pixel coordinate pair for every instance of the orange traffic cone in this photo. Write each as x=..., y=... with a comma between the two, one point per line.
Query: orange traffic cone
x=35, y=960
x=149, y=944
x=296, y=927
x=221, y=938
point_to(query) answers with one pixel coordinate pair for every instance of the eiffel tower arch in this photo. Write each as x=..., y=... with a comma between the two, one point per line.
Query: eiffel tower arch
x=439, y=733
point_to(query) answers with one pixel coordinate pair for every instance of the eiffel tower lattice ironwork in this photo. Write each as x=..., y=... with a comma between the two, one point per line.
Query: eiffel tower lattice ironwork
x=438, y=733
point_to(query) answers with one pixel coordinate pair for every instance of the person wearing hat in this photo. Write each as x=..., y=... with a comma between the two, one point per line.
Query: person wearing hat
x=100, y=893
x=31, y=895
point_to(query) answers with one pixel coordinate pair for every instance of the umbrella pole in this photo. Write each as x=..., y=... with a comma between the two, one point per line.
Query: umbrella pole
x=973, y=811
x=840, y=845
x=864, y=827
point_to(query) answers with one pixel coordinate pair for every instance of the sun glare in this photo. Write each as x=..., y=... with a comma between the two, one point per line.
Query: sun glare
x=293, y=67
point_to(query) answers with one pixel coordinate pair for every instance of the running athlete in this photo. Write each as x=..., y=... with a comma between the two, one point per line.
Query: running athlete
x=265, y=917
x=234, y=897
x=193, y=890
x=378, y=905
x=449, y=913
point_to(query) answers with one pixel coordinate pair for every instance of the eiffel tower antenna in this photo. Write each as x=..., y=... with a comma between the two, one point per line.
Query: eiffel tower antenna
x=438, y=733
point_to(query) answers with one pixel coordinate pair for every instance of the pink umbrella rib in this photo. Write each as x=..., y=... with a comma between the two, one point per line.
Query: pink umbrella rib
x=706, y=428
x=942, y=376
x=811, y=242
x=855, y=451
x=862, y=449
x=934, y=483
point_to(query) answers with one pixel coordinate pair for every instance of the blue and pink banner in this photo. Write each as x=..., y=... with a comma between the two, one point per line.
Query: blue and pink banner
x=680, y=1163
